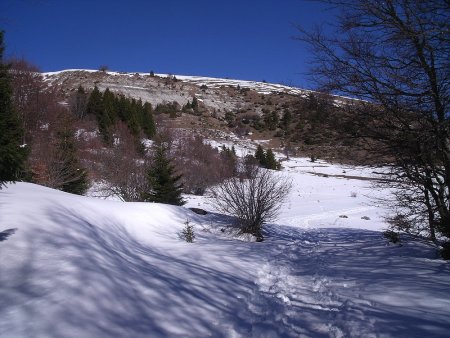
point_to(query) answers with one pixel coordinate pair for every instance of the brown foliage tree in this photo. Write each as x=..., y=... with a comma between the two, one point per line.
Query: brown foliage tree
x=201, y=165
x=121, y=169
x=54, y=158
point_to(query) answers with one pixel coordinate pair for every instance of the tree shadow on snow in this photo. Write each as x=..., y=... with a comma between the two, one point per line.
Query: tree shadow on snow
x=106, y=283
x=354, y=279
x=5, y=234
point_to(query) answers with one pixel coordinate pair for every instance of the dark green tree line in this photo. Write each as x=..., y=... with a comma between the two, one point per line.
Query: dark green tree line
x=13, y=153
x=109, y=108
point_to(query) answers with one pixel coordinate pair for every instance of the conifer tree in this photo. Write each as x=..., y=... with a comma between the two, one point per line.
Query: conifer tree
x=68, y=174
x=266, y=159
x=132, y=117
x=148, y=124
x=260, y=156
x=271, y=162
x=95, y=104
x=194, y=104
x=96, y=107
x=271, y=120
x=12, y=153
x=109, y=106
x=286, y=120
x=121, y=105
x=163, y=180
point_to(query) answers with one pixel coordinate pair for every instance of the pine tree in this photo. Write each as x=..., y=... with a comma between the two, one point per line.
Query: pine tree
x=96, y=107
x=12, y=154
x=109, y=106
x=69, y=174
x=266, y=159
x=148, y=124
x=271, y=120
x=121, y=106
x=133, y=117
x=286, y=120
x=260, y=156
x=271, y=162
x=95, y=104
x=194, y=104
x=163, y=180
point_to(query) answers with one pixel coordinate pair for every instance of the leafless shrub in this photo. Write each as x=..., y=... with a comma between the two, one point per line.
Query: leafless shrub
x=254, y=200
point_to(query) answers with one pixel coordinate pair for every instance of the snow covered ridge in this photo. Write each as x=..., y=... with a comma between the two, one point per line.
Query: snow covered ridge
x=260, y=87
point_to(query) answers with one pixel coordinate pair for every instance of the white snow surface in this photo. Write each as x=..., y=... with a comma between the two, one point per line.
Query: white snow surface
x=75, y=266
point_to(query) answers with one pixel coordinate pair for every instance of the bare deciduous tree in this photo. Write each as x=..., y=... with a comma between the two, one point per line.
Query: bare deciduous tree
x=122, y=170
x=254, y=201
x=201, y=165
x=54, y=157
x=32, y=98
x=78, y=102
x=394, y=56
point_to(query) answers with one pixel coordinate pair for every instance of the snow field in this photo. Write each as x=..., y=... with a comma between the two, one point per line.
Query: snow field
x=74, y=266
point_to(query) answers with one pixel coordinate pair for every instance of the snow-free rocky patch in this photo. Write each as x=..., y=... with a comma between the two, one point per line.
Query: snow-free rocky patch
x=75, y=266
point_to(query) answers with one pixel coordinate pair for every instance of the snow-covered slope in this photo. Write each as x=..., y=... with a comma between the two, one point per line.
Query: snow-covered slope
x=260, y=87
x=74, y=266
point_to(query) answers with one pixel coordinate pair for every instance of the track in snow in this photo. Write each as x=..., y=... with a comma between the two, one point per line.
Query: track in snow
x=344, y=283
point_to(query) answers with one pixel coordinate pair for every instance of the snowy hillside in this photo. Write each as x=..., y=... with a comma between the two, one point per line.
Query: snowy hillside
x=157, y=89
x=82, y=267
x=260, y=87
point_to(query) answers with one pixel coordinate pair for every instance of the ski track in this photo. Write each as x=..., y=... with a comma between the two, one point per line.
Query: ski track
x=294, y=293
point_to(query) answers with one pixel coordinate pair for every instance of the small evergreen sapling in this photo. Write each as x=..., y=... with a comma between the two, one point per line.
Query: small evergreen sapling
x=188, y=232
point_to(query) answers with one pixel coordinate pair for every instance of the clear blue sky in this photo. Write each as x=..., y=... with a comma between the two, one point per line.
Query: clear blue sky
x=246, y=39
